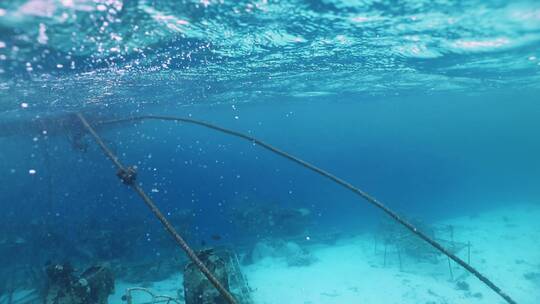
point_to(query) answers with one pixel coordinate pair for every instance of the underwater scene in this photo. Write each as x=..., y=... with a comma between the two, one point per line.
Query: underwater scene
x=269, y=152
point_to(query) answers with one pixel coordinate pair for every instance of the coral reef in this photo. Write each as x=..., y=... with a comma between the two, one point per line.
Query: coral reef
x=270, y=220
x=291, y=252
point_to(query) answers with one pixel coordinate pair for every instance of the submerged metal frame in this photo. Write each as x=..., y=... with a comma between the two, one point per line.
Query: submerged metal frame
x=156, y=299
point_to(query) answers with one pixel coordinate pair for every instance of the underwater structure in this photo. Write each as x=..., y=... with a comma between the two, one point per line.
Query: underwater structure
x=93, y=286
x=210, y=278
x=398, y=242
x=295, y=151
x=128, y=176
x=207, y=275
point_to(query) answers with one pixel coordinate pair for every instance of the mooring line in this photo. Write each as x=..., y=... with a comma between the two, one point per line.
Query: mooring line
x=128, y=176
x=372, y=200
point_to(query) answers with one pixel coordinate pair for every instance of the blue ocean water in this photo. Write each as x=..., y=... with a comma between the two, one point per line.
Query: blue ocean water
x=430, y=106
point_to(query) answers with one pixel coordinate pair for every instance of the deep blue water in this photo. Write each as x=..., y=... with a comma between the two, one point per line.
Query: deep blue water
x=432, y=107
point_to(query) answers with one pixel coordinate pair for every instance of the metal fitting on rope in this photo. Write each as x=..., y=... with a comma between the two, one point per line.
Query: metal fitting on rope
x=127, y=175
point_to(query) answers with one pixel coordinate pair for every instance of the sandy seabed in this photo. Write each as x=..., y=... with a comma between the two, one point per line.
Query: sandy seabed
x=505, y=246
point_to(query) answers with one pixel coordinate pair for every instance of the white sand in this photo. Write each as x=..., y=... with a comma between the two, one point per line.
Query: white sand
x=505, y=246
x=351, y=272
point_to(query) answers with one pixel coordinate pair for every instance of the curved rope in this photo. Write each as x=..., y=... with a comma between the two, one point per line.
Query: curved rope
x=372, y=200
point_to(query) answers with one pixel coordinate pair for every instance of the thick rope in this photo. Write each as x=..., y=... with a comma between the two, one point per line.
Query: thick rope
x=128, y=177
x=394, y=215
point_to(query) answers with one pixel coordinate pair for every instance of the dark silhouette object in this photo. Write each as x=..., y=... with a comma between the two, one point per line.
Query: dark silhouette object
x=197, y=288
x=93, y=286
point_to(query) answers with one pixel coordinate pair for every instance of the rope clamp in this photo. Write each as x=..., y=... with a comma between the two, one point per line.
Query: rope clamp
x=127, y=175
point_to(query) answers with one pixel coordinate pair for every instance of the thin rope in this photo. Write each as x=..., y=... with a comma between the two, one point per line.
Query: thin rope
x=127, y=175
x=372, y=200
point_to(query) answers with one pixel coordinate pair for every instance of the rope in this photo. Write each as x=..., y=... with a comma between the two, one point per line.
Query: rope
x=372, y=200
x=128, y=176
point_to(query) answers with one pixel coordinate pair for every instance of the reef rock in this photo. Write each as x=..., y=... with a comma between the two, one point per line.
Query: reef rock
x=291, y=252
